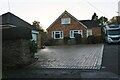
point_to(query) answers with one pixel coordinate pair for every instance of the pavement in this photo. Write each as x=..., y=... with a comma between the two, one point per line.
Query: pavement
x=109, y=68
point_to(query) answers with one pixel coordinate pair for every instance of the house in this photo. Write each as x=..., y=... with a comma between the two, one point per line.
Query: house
x=10, y=20
x=66, y=25
x=93, y=27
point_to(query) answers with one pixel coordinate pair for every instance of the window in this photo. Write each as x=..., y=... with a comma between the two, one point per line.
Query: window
x=57, y=34
x=89, y=32
x=65, y=21
x=74, y=32
x=35, y=35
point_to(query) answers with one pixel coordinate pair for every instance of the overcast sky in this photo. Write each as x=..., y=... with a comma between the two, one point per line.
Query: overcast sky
x=46, y=11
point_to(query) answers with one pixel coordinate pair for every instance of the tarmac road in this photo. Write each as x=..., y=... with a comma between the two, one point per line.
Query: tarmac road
x=111, y=58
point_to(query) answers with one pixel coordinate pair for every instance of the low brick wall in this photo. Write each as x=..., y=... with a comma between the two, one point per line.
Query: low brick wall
x=16, y=53
x=15, y=47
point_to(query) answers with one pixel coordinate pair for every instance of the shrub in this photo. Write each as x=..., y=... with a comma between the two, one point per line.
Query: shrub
x=84, y=41
x=66, y=40
x=72, y=41
x=91, y=40
x=52, y=42
x=47, y=43
x=99, y=39
x=78, y=38
x=95, y=39
x=33, y=46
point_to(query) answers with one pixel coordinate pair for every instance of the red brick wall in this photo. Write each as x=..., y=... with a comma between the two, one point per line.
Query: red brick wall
x=74, y=25
x=97, y=31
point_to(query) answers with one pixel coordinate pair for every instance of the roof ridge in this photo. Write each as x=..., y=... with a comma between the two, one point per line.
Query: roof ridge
x=8, y=13
x=66, y=12
x=10, y=16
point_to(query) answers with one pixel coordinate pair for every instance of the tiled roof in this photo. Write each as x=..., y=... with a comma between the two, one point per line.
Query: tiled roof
x=90, y=23
x=65, y=12
x=11, y=19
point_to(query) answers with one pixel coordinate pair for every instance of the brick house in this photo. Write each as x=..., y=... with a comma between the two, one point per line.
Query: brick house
x=66, y=25
x=93, y=27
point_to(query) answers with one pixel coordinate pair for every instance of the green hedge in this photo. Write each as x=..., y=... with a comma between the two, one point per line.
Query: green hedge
x=33, y=47
x=78, y=38
x=72, y=41
x=53, y=42
x=95, y=39
x=66, y=39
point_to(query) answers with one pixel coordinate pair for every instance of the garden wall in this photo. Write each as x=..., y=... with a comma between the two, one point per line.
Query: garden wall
x=16, y=47
x=16, y=53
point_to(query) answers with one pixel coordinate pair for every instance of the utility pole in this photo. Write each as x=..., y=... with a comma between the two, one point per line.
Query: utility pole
x=8, y=5
x=119, y=8
x=118, y=13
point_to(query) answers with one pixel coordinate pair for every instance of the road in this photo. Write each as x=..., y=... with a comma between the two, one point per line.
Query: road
x=111, y=58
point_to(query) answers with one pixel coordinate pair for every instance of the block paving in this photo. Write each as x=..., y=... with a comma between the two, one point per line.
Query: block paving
x=73, y=56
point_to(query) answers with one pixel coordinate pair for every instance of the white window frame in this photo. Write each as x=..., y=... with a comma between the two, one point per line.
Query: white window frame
x=73, y=31
x=64, y=20
x=57, y=32
x=35, y=35
x=90, y=33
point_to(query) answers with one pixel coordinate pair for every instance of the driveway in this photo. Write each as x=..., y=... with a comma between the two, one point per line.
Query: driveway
x=75, y=56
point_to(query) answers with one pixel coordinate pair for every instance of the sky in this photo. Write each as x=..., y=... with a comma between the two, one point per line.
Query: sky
x=47, y=11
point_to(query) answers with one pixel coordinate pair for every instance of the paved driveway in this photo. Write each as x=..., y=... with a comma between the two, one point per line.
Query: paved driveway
x=76, y=56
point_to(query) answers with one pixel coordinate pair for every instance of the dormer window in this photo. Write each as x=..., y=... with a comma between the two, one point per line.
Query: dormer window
x=65, y=21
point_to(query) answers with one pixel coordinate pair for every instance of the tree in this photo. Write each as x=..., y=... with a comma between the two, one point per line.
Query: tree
x=102, y=20
x=94, y=17
x=115, y=20
x=37, y=25
x=78, y=38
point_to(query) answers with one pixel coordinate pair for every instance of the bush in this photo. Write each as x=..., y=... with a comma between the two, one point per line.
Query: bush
x=72, y=41
x=91, y=40
x=78, y=38
x=95, y=39
x=33, y=47
x=66, y=40
x=47, y=43
x=51, y=42
x=84, y=41
x=99, y=39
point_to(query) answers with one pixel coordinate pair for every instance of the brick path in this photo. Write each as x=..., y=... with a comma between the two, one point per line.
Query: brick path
x=77, y=56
